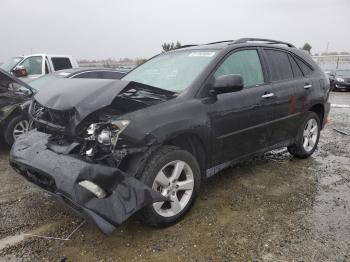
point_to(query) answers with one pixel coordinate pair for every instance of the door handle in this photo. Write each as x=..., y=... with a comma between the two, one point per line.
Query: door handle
x=307, y=86
x=268, y=95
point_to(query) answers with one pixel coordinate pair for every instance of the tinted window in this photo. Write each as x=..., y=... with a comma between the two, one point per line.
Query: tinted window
x=60, y=63
x=307, y=70
x=112, y=75
x=296, y=69
x=33, y=65
x=279, y=65
x=94, y=74
x=245, y=63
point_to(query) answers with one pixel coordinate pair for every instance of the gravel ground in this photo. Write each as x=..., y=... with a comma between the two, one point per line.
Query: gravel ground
x=273, y=208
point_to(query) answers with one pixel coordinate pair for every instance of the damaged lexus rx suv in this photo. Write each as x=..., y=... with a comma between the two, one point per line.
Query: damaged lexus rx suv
x=145, y=143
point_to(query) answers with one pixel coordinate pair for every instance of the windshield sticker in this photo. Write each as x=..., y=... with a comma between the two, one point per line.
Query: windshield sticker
x=202, y=54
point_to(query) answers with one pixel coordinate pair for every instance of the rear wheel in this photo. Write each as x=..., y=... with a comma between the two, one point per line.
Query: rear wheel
x=175, y=174
x=307, y=138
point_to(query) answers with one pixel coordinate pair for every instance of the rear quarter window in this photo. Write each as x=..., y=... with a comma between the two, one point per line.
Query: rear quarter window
x=307, y=70
x=60, y=63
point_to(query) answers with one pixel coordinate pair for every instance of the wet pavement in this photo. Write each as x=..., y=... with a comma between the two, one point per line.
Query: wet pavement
x=273, y=208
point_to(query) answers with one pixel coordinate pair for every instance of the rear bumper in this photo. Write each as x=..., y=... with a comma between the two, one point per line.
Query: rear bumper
x=59, y=175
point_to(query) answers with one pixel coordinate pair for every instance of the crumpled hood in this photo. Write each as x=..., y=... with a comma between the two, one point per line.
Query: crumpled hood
x=86, y=96
x=81, y=94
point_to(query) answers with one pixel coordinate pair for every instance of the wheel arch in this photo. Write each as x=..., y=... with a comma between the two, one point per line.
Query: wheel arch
x=320, y=111
x=192, y=143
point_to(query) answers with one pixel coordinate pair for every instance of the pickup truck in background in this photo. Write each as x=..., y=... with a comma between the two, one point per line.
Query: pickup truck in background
x=29, y=67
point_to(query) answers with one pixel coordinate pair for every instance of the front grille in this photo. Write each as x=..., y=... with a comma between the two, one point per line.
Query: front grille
x=56, y=117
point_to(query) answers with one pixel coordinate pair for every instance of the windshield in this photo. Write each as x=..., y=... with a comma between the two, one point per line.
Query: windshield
x=173, y=71
x=46, y=80
x=343, y=73
x=9, y=64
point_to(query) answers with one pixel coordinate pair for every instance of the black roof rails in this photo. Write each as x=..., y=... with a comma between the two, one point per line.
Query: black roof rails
x=184, y=46
x=219, y=42
x=269, y=41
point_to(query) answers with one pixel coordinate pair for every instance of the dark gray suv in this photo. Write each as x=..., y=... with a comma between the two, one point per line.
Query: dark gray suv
x=146, y=142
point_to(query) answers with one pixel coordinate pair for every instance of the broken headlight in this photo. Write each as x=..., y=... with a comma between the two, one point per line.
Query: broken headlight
x=106, y=133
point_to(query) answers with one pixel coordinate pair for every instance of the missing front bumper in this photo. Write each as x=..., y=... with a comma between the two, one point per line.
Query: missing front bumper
x=60, y=174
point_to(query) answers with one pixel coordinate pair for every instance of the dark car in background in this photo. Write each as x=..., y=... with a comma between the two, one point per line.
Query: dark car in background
x=341, y=80
x=13, y=93
x=144, y=144
x=82, y=72
x=14, y=120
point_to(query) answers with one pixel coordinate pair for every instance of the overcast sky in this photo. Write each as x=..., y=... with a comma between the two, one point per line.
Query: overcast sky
x=129, y=28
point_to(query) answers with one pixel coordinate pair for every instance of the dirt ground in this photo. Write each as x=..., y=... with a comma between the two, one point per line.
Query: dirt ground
x=274, y=208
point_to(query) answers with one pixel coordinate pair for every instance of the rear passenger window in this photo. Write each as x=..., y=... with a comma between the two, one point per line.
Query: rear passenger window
x=296, y=69
x=112, y=75
x=307, y=70
x=245, y=63
x=60, y=63
x=279, y=65
x=94, y=75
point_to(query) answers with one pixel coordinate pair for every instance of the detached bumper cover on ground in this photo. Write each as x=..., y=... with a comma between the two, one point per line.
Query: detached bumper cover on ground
x=59, y=174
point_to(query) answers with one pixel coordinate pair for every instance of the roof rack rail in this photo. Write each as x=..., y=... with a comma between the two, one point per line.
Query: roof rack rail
x=184, y=46
x=269, y=41
x=219, y=42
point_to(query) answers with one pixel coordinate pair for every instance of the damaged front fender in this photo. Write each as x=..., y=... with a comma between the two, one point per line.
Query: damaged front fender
x=60, y=175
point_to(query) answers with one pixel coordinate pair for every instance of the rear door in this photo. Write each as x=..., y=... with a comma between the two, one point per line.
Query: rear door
x=238, y=119
x=286, y=78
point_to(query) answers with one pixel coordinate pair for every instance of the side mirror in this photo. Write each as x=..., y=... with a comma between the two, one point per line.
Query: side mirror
x=20, y=71
x=227, y=84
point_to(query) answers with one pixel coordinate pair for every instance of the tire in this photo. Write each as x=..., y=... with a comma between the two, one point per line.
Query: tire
x=12, y=124
x=303, y=148
x=166, y=159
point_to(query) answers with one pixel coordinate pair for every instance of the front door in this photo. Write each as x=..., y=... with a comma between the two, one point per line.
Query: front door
x=238, y=120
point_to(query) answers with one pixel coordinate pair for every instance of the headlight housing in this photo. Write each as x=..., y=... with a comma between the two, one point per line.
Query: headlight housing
x=339, y=79
x=106, y=134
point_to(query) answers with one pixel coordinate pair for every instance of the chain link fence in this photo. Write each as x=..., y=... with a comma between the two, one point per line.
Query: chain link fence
x=333, y=62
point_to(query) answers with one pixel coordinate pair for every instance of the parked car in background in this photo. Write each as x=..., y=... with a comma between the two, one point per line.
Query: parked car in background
x=29, y=67
x=81, y=72
x=341, y=79
x=13, y=93
x=146, y=142
x=16, y=100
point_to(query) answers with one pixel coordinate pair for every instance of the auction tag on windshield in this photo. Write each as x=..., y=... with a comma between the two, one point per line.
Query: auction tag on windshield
x=202, y=54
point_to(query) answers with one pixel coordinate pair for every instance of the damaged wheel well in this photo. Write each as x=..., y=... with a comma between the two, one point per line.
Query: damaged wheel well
x=193, y=144
x=319, y=110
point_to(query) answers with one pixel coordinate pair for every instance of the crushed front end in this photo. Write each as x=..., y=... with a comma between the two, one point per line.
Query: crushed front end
x=103, y=194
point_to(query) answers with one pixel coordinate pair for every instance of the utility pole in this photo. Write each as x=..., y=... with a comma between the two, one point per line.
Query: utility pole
x=327, y=47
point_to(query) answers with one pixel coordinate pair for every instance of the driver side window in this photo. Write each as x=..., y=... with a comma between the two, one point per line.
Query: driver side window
x=33, y=65
x=245, y=63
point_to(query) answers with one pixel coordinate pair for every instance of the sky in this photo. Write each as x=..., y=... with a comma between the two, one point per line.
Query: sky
x=99, y=29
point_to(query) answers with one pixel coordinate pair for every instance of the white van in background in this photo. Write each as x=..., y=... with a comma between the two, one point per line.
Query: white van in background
x=29, y=67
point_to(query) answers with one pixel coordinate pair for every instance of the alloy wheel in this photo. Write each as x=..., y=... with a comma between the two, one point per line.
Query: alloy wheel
x=21, y=128
x=175, y=180
x=310, y=135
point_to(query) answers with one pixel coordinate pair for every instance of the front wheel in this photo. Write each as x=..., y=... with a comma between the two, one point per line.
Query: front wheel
x=176, y=175
x=307, y=137
x=17, y=126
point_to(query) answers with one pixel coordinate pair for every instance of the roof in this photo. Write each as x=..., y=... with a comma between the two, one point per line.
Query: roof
x=241, y=41
x=43, y=54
